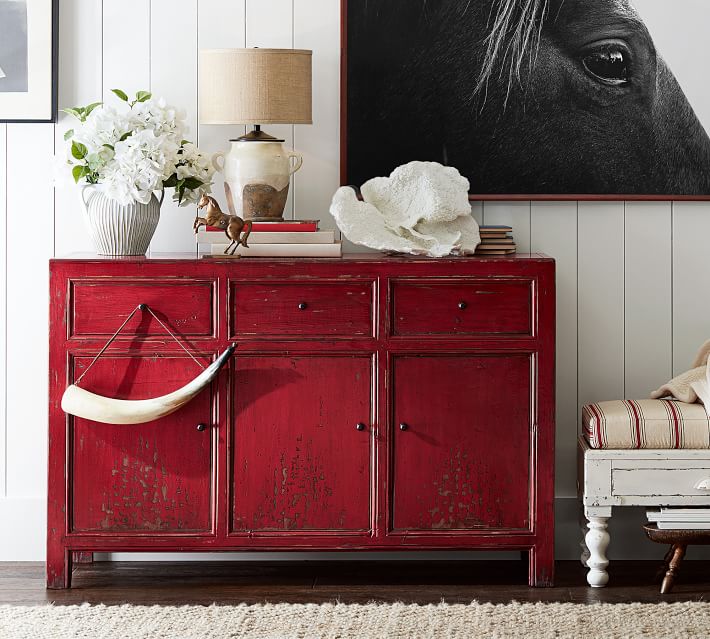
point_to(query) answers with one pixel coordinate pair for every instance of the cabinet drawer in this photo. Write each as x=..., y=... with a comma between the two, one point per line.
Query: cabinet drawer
x=659, y=482
x=97, y=307
x=328, y=309
x=470, y=307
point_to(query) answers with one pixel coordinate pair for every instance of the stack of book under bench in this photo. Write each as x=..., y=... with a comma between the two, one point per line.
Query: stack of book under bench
x=288, y=238
x=675, y=518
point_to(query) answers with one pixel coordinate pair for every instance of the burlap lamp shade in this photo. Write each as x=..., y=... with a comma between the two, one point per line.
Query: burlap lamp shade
x=255, y=86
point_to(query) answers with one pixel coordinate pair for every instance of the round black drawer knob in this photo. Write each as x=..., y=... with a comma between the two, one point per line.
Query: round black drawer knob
x=403, y=426
x=463, y=306
x=302, y=306
x=360, y=426
x=201, y=427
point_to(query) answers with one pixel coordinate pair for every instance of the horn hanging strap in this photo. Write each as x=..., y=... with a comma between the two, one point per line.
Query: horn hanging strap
x=140, y=307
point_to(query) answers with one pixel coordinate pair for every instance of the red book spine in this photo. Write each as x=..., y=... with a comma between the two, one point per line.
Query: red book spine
x=277, y=227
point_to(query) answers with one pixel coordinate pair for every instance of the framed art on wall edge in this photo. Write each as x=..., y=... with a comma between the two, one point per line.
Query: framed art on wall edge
x=28, y=60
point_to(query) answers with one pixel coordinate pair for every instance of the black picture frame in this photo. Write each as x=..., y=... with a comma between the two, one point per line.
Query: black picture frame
x=348, y=111
x=54, y=92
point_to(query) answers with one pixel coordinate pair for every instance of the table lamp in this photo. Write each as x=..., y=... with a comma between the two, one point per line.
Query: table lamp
x=256, y=87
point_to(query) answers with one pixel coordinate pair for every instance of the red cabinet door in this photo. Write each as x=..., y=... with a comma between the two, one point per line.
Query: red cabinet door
x=153, y=477
x=461, y=442
x=301, y=443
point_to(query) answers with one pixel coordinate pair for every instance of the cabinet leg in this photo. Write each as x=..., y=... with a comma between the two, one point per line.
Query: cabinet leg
x=673, y=568
x=541, y=572
x=83, y=557
x=597, y=541
x=59, y=567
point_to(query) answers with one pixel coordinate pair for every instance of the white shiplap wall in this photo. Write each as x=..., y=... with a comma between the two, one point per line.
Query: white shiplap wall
x=630, y=276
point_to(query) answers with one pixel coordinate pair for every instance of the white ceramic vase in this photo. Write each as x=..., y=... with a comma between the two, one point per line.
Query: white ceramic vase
x=257, y=174
x=118, y=229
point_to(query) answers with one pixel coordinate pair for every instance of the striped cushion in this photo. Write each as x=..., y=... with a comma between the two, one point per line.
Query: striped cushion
x=646, y=423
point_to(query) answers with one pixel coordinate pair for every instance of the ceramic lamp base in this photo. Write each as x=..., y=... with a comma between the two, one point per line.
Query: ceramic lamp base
x=257, y=174
x=259, y=202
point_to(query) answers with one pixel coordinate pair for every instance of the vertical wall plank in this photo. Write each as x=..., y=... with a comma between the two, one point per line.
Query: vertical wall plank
x=601, y=301
x=126, y=46
x=270, y=26
x=27, y=310
x=3, y=307
x=221, y=25
x=80, y=73
x=515, y=214
x=553, y=231
x=691, y=274
x=173, y=73
x=648, y=293
x=477, y=211
x=315, y=27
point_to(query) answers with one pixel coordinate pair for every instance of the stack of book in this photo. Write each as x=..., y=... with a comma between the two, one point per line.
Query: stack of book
x=289, y=238
x=495, y=240
x=697, y=518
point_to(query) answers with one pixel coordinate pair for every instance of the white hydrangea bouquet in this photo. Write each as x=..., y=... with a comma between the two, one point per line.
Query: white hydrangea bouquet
x=136, y=150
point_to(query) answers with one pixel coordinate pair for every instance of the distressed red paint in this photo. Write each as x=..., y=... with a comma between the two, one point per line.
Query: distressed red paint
x=282, y=463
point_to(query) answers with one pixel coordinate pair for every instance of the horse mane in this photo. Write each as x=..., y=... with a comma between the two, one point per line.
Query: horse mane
x=515, y=31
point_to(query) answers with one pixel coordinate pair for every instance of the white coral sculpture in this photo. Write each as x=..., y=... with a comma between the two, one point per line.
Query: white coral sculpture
x=422, y=208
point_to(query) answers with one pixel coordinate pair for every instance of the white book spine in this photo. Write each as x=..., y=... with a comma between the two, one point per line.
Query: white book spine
x=680, y=525
x=268, y=237
x=284, y=250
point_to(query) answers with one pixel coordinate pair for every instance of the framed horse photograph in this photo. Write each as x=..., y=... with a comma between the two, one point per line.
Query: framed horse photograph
x=28, y=60
x=531, y=99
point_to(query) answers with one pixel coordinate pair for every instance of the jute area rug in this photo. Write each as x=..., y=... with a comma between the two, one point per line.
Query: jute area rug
x=270, y=621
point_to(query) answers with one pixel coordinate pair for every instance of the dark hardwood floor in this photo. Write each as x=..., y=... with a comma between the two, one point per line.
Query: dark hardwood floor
x=345, y=581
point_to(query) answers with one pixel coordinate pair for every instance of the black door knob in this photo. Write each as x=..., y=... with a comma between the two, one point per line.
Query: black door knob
x=302, y=306
x=403, y=426
x=360, y=426
x=463, y=306
x=201, y=427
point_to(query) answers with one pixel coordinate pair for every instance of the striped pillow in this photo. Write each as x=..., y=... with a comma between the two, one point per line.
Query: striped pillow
x=646, y=423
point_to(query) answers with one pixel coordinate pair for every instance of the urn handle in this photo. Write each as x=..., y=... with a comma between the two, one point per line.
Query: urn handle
x=219, y=166
x=84, y=192
x=295, y=165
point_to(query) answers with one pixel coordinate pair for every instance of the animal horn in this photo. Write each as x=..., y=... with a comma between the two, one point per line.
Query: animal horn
x=81, y=403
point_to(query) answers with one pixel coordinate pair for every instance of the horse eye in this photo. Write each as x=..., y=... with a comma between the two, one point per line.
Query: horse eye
x=609, y=65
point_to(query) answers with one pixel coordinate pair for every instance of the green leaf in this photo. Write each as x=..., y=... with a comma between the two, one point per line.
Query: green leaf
x=192, y=183
x=184, y=142
x=109, y=146
x=79, y=172
x=171, y=181
x=75, y=112
x=78, y=150
x=142, y=96
x=94, y=161
x=125, y=136
x=121, y=94
x=91, y=107
x=68, y=134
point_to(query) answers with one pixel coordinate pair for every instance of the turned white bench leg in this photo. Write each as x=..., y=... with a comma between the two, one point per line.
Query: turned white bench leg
x=584, y=555
x=597, y=541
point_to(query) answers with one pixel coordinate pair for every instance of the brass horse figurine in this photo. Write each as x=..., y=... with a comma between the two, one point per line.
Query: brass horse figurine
x=236, y=228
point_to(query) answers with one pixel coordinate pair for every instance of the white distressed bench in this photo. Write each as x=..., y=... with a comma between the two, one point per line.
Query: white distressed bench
x=653, y=470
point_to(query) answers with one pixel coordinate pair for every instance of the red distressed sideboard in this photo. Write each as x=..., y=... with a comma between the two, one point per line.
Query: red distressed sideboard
x=373, y=403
